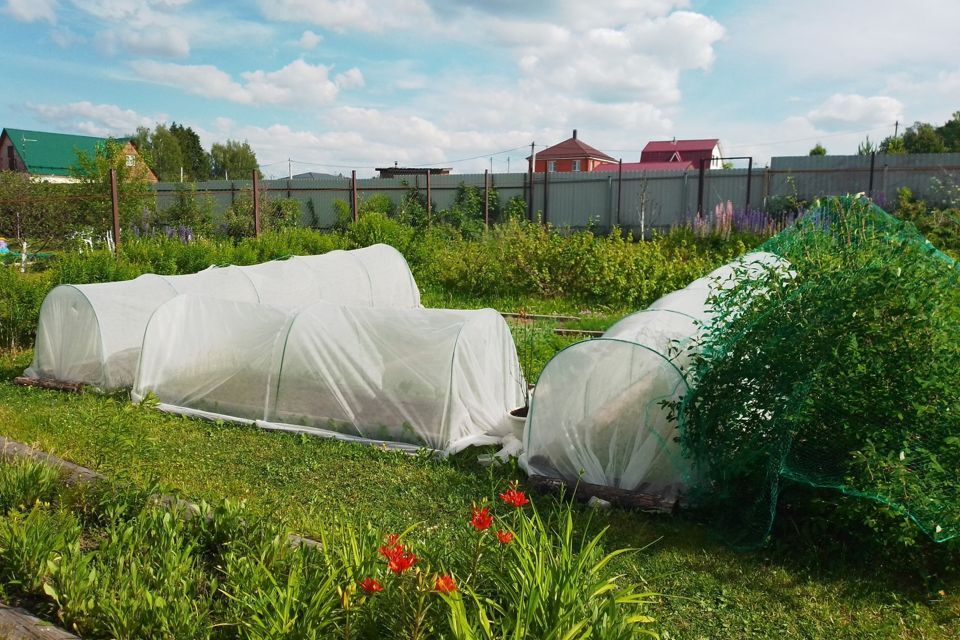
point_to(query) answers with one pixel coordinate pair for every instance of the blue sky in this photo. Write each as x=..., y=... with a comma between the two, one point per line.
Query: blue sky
x=336, y=85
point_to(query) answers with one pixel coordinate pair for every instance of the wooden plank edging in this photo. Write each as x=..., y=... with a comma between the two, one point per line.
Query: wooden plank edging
x=583, y=491
x=74, y=474
x=45, y=383
x=20, y=624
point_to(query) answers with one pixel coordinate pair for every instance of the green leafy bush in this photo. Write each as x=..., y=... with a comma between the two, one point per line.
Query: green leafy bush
x=940, y=225
x=845, y=376
x=190, y=209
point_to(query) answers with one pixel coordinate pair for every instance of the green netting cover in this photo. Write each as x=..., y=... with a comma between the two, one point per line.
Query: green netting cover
x=844, y=377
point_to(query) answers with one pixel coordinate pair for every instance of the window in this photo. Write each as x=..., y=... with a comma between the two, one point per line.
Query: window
x=551, y=166
x=574, y=165
x=11, y=159
x=131, y=160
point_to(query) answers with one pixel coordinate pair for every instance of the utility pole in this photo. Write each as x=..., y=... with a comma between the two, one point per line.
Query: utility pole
x=289, y=169
x=896, y=127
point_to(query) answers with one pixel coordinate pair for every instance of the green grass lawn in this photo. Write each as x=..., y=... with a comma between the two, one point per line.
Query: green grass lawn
x=710, y=590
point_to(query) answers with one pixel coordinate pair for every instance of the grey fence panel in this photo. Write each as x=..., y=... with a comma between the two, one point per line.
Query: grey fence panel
x=650, y=199
x=811, y=176
x=636, y=201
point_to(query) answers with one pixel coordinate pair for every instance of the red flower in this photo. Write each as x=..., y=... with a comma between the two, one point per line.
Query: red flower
x=399, y=558
x=514, y=497
x=481, y=518
x=505, y=537
x=401, y=562
x=371, y=585
x=445, y=583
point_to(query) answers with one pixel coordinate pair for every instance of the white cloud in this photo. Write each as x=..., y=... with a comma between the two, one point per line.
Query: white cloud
x=843, y=110
x=846, y=40
x=164, y=27
x=160, y=41
x=32, y=10
x=94, y=119
x=351, y=79
x=298, y=84
x=351, y=15
x=309, y=40
x=65, y=38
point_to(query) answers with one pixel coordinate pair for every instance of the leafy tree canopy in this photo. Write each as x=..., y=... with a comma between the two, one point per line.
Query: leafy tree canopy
x=233, y=160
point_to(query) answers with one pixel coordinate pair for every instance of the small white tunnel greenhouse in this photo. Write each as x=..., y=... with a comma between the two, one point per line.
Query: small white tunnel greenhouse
x=411, y=378
x=92, y=333
x=598, y=413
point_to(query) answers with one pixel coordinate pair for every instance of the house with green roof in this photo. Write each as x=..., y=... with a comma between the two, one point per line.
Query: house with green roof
x=49, y=157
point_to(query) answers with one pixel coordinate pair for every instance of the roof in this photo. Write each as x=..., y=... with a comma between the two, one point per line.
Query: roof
x=683, y=165
x=314, y=175
x=51, y=154
x=704, y=144
x=571, y=148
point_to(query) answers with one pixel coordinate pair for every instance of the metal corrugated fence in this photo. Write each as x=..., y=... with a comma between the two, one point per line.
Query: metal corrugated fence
x=637, y=201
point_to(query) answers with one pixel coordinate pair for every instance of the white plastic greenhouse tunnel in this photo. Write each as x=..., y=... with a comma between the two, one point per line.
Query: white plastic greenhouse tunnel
x=409, y=378
x=92, y=333
x=598, y=414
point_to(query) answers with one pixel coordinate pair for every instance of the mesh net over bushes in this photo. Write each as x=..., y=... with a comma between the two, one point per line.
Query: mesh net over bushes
x=844, y=375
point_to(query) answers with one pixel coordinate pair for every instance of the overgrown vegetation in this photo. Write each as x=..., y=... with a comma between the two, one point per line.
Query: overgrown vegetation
x=842, y=374
x=110, y=562
x=516, y=264
x=794, y=589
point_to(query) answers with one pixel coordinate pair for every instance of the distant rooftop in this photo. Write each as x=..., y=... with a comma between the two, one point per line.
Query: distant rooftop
x=51, y=154
x=571, y=148
x=390, y=172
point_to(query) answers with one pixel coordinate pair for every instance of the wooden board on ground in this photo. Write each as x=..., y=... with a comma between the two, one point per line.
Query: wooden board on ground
x=19, y=624
x=583, y=491
x=43, y=383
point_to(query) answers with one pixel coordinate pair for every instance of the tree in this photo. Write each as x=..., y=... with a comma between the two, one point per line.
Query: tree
x=949, y=132
x=232, y=160
x=168, y=158
x=818, y=150
x=136, y=199
x=922, y=137
x=866, y=147
x=196, y=161
x=160, y=149
x=893, y=145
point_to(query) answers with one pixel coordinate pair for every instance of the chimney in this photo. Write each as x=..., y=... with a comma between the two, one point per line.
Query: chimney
x=574, y=134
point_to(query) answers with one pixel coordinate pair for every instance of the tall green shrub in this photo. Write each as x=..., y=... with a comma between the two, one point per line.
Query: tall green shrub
x=843, y=375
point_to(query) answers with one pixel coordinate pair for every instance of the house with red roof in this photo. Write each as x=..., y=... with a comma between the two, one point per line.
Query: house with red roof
x=571, y=155
x=683, y=151
x=672, y=155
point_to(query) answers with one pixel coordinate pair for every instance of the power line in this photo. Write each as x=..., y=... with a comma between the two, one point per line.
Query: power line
x=362, y=166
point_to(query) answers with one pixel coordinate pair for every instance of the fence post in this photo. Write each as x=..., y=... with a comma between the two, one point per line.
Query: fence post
x=619, y=188
x=256, y=204
x=486, y=198
x=749, y=178
x=530, y=173
x=546, y=196
x=700, y=188
x=353, y=195
x=115, y=201
x=429, y=197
